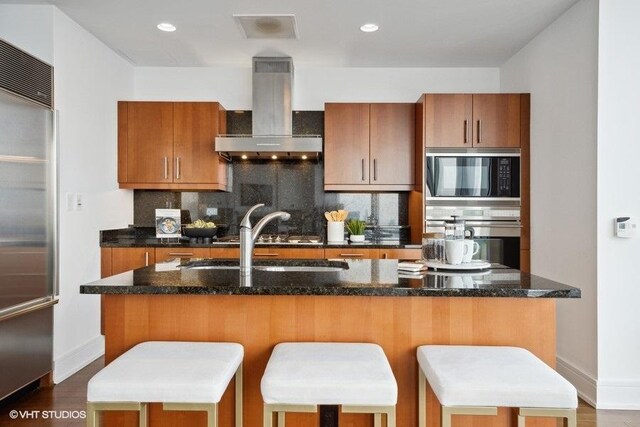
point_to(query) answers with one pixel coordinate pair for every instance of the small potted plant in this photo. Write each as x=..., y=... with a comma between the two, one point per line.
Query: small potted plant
x=356, y=227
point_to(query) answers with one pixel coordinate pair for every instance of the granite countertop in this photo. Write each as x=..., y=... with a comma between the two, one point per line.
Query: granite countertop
x=130, y=238
x=354, y=278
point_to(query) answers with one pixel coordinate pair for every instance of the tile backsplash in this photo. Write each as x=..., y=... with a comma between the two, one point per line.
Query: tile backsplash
x=293, y=186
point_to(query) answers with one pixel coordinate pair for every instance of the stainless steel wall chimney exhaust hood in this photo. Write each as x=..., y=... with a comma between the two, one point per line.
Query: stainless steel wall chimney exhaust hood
x=272, y=127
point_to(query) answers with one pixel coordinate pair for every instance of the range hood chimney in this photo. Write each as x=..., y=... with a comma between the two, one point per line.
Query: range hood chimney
x=272, y=128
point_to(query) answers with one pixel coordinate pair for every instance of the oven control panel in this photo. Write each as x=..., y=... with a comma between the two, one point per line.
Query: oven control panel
x=504, y=177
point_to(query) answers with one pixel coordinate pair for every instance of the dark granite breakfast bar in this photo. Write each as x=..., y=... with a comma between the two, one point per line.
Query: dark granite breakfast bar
x=351, y=278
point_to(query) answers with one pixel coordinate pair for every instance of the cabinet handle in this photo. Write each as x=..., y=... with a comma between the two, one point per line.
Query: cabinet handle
x=352, y=255
x=257, y=254
x=177, y=167
x=479, y=131
x=166, y=167
x=466, y=131
x=181, y=254
x=146, y=259
x=375, y=169
x=363, y=169
x=385, y=255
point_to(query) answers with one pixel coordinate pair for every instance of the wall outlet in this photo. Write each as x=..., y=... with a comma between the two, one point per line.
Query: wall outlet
x=79, y=201
x=212, y=211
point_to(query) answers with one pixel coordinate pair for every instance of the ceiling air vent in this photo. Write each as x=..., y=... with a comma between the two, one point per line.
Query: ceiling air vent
x=268, y=26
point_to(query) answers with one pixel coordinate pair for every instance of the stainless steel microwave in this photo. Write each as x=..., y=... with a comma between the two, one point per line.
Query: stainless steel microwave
x=473, y=175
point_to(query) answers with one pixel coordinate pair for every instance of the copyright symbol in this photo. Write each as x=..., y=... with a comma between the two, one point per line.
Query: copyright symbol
x=13, y=414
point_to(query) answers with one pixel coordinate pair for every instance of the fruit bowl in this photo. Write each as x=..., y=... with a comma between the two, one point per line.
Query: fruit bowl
x=200, y=232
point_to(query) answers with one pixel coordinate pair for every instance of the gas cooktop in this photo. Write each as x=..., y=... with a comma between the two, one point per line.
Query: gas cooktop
x=271, y=239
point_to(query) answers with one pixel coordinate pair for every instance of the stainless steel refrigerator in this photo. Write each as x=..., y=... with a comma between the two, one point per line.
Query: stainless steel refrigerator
x=28, y=223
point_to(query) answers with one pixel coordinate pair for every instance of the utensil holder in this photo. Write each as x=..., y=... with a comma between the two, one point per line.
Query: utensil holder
x=335, y=231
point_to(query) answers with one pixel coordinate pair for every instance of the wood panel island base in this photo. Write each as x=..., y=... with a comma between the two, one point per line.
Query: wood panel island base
x=335, y=301
x=398, y=324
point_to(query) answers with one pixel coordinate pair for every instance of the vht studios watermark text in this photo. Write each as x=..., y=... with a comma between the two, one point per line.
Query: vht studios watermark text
x=35, y=414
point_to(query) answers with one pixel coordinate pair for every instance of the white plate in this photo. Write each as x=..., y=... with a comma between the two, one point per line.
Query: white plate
x=473, y=265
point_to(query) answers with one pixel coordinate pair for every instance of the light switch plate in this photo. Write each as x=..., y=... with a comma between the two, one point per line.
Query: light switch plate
x=69, y=201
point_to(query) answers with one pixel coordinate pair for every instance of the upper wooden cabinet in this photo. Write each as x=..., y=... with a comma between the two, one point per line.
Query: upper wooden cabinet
x=478, y=120
x=369, y=147
x=170, y=145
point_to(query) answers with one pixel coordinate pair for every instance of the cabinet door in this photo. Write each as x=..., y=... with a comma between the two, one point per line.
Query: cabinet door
x=165, y=254
x=195, y=126
x=408, y=254
x=448, y=120
x=149, y=142
x=125, y=259
x=496, y=120
x=392, y=144
x=348, y=252
x=225, y=253
x=346, y=144
x=288, y=253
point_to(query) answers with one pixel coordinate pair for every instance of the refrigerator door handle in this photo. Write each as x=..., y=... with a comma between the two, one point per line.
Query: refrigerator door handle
x=55, y=196
x=27, y=307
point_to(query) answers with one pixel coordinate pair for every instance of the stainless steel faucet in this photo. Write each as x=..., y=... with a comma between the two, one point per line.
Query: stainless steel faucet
x=249, y=234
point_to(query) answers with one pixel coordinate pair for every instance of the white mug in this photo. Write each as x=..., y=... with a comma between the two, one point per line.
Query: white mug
x=455, y=251
x=472, y=249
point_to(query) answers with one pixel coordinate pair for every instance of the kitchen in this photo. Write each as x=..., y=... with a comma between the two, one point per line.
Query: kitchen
x=90, y=176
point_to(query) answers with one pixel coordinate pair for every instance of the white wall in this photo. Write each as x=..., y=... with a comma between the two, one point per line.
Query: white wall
x=559, y=68
x=89, y=79
x=618, y=195
x=312, y=86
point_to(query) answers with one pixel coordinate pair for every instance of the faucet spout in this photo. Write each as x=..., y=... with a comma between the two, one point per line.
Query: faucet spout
x=249, y=234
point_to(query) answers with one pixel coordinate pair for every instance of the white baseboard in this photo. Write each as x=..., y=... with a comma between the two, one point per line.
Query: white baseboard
x=585, y=383
x=619, y=394
x=73, y=361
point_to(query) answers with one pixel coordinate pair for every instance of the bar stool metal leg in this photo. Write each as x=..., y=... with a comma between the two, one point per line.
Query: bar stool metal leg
x=239, y=396
x=422, y=399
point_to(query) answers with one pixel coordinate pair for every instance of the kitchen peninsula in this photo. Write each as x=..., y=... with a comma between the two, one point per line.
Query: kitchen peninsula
x=329, y=300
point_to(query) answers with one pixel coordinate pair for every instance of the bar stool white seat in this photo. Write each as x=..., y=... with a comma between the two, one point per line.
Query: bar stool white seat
x=183, y=376
x=476, y=380
x=301, y=376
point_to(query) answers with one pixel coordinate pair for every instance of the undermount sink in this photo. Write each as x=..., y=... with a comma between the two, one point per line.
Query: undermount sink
x=299, y=268
x=273, y=267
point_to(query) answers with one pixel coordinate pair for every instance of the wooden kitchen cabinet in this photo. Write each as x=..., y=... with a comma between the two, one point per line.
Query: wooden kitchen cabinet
x=170, y=145
x=465, y=120
x=165, y=254
x=288, y=253
x=408, y=254
x=348, y=252
x=118, y=260
x=346, y=144
x=225, y=253
x=496, y=121
x=369, y=147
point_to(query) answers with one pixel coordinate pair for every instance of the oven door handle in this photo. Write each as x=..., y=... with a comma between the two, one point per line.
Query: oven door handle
x=494, y=224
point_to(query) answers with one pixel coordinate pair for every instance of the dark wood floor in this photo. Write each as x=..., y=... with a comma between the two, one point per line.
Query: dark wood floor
x=70, y=395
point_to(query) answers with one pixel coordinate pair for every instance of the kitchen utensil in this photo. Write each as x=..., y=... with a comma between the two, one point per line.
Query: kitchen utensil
x=343, y=214
x=327, y=215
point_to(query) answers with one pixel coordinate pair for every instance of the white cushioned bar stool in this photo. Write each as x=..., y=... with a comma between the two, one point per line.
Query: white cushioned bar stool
x=301, y=376
x=476, y=380
x=183, y=376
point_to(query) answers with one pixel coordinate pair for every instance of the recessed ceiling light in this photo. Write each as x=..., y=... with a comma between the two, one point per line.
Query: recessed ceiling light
x=165, y=26
x=369, y=28
x=244, y=157
x=304, y=157
x=274, y=157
